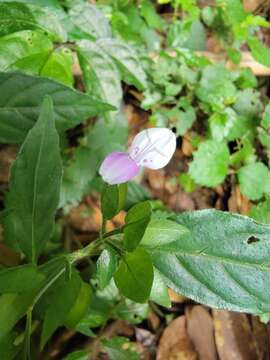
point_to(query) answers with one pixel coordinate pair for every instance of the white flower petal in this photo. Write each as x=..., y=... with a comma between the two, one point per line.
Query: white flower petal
x=153, y=148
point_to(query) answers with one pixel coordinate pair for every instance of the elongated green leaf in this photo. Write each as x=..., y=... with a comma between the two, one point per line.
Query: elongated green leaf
x=16, y=16
x=59, y=66
x=22, y=46
x=221, y=260
x=61, y=302
x=134, y=276
x=90, y=20
x=35, y=180
x=21, y=100
x=20, y=279
x=126, y=60
x=100, y=74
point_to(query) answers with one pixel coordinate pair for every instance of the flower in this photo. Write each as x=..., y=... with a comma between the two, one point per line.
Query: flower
x=152, y=148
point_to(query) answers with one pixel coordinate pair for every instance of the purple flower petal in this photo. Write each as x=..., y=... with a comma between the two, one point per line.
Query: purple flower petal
x=118, y=168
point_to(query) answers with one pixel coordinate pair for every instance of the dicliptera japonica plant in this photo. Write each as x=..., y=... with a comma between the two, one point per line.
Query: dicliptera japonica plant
x=216, y=258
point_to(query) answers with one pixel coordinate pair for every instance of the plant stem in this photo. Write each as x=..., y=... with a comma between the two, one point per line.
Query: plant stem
x=27, y=335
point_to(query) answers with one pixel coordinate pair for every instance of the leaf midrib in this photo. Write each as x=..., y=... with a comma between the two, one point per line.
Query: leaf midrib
x=35, y=196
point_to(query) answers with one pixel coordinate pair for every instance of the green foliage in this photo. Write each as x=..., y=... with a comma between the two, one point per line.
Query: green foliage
x=20, y=279
x=254, y=180
x=58, y=310
x=16, y=17
x=22, y=48
x=119, y=348
x=219, y=259
x=90, y=20
x=106, y=267
x=210, y=164
x=59, y=66
x=101, y=75
x=113, y=200
x=261, y=212
x=30, y=222
x=126, y=61
x=136, y=222
x=215, y=258
x=159, y=292
x=71, y=107
x=134, y=276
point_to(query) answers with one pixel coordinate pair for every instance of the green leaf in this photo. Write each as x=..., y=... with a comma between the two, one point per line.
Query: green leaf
x=53, y=4
x=254, y=180
x=216, y=87
x=161, y=233
x=113, y=200
x=78, y=173
x=185, y=120
x=159, y=292
x=246, y=79
x=38, y=188
x=8, y=346
x=148, y=12
x=80, y=306
x=222, y=261
x=61, y=302
x=265, y=122
x=187, y=182
x=77, y=355
x=136, y=222
x=59, y=66
x=21, y=100
x=259, y=52
x=90, y=20
x=15, y=307
x=261, y=212
x=210, y=163
x=126, y=60
x=221, y=123
x=106, y=267
x=101, y=76
x=248, y=103
x=120, y=348
x=21, y=47
x=15, y=17
x=20, y=279
x=136, y=193
x=234, y=10
x=134, y=276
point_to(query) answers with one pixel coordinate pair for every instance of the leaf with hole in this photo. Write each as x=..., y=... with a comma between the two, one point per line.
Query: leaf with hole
x=221, y=259
x=16, y=16
x=20, y=48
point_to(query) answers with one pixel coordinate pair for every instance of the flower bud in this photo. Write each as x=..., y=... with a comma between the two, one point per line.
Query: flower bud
x=118, y=168
x=153, y=148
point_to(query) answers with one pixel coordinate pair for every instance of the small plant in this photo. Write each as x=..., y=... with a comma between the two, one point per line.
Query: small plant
x=72, y=143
